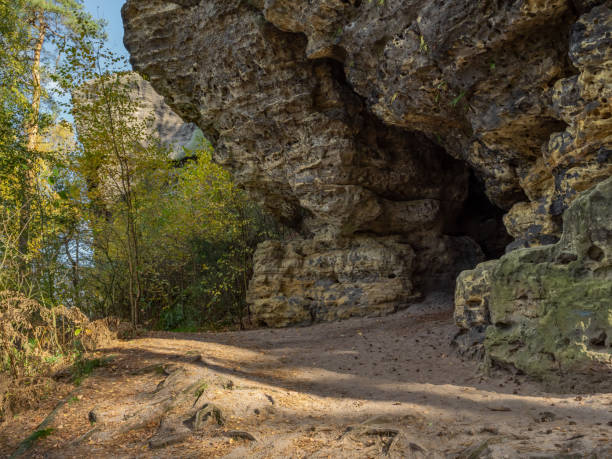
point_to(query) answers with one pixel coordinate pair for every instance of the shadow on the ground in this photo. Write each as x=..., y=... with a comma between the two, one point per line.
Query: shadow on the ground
x=320, y=361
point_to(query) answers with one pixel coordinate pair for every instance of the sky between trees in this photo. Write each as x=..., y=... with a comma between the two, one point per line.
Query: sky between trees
x=110, y=11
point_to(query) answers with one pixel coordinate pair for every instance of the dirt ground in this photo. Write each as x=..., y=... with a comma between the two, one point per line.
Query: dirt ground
x=376, y=387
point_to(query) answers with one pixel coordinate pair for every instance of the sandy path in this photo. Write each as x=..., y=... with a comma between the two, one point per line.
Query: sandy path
x=360, y=388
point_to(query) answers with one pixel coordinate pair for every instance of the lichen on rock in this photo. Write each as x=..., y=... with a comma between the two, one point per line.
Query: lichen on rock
x=472, y=314
x=550, y=307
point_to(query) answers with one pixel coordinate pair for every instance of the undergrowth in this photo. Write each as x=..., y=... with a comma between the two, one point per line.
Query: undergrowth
x=83, y=367
x=38, y=435
x=36, y=343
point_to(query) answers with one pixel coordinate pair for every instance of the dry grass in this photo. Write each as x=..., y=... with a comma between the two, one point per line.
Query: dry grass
x=36, y=342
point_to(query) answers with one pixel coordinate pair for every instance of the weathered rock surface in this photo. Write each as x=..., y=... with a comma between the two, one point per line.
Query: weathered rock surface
x=174, y=133
x=472, y=314
x=548, y=310
x=490, y=82
x=307, y=281
x=160, y=121
x=357, y=124
x=339, y=278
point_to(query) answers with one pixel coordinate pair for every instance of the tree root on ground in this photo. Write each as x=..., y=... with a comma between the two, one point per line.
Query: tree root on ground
x=179, y=407
x=43, y=428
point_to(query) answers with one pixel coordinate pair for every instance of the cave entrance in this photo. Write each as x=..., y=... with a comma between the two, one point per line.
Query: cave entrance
x=482, y=221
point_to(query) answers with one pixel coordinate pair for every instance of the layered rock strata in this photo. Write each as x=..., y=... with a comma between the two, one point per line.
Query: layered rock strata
x=356, y=123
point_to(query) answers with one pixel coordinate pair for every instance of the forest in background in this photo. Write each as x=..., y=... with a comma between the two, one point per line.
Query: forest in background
x=94, y=216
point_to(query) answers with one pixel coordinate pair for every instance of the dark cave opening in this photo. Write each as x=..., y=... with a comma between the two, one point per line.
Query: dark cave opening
x=386, y=165
x=482, y=221
x=402, y=166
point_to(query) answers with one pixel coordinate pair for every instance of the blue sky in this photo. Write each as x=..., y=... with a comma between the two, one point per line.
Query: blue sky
x=110, y=10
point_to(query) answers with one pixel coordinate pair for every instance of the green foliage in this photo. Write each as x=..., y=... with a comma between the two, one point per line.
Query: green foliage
x=35, y=436
x=201, y=389
x=208, y=230
x=42, y=226
x=103, y=221
x=68, y=14
x=13, y=72
x=69, y=32
x=39, y=218
x=197, y=234
x=83, y=367
x=172, y=243
x=456, y=100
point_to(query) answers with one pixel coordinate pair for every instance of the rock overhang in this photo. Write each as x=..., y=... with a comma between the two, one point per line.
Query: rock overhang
x=359, y=124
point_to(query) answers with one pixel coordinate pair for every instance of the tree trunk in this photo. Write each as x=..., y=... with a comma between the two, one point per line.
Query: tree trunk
x=126, y=190
x=32, y=128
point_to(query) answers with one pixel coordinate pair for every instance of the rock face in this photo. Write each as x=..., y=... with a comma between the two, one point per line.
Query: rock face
x=472, y=311
x=305, y=281
x=376, y=129
x=308, y=280
x=167, y=126
x=548, y=310
x=295, y=134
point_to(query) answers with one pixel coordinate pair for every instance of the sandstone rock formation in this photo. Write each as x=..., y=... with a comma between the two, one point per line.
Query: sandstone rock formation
x=165, y=124
x=162, y=122
x=391, y=135
x=548, y=310
x=472, y=311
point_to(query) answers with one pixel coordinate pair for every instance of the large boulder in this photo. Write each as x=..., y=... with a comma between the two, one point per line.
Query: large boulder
x=548, y=310
x=306, y=280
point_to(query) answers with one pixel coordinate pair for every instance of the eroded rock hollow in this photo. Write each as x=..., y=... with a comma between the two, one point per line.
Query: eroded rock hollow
x=403, y=141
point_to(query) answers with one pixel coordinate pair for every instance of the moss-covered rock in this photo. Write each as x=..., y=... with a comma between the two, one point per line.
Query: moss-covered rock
x=551, y=307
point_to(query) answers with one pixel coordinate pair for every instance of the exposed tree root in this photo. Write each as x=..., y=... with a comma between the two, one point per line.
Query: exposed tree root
x=43, y=428
x=338, y=396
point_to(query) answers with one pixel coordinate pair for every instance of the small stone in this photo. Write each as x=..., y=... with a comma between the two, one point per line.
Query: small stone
x=94, y=416
x=545, y=416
